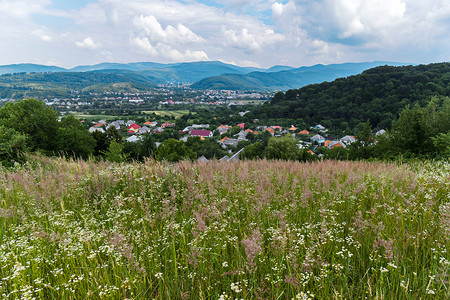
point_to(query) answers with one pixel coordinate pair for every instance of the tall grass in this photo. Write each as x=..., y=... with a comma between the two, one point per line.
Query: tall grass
x=249, y=230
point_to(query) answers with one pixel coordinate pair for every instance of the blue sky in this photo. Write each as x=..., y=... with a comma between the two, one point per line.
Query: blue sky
x=259, y=33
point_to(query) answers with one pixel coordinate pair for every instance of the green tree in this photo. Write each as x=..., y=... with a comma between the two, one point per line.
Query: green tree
x=115, y=152
x=253, y=151
x=34, y=119
x=12, y=146
x=442, y=144
x=173, y=150
x=284, y=148
x=74, y=139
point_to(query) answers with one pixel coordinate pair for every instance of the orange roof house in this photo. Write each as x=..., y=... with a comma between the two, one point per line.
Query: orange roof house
x=225, y=138
x=242, y=125
x=293, y=128
x=98, y=125
x=277, y=127
x=270, y=130
x=304, y=132
x=327, y=142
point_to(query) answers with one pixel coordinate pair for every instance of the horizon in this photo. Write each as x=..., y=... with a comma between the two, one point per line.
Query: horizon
x=211, y=61
x=256, y=33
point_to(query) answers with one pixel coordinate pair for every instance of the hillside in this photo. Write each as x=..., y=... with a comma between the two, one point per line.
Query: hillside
x=282, y=78
x=61, y=83
x=26, y=80
x=378, y=94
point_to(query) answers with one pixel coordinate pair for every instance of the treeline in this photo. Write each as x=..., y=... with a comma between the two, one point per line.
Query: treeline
x=378, y=95
x=32, y=126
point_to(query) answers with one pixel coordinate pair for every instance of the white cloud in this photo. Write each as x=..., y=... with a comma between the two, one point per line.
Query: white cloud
x=153, y=29
x=143, y=44
x=43, y=35
x=251, y=32
x=88, y=43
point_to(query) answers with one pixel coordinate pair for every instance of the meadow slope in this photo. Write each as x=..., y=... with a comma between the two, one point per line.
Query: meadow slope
x=248, y=230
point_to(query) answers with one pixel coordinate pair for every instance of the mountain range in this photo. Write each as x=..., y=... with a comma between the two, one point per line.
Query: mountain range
x=200, y=75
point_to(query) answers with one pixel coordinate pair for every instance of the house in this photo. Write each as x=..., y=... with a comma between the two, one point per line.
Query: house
x=241, y=125
x=230, y=142
x=134, y=139
x=242, y=135
x=129, y=123
x=318, y=138
x=151, y=124
x=159, y=130
x=197, y=126
x=114, y=124
x=99, y=124
x=277, y=128
x=93, y=129
x=223, y=128
x=348, y=139
x=144, y=129
x=133, y=128
x=334, y=144
x=270, y=130
x=166, y=124
x=201, y=133
x=304, y=131
x=319, y=127
x=293, y=128
x=225, y=138
x=202, y=159
x=380, y=132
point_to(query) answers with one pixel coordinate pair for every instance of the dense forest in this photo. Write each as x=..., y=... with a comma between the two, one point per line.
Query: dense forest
x=378, y=95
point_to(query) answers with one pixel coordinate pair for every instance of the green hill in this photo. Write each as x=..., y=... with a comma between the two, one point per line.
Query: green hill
x=378, y=94
x=282, y=78
x=61, y=83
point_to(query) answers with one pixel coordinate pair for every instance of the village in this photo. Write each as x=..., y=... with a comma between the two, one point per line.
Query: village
x=232, y=138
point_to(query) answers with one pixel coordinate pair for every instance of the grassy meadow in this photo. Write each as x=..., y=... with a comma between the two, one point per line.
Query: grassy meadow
x=167, y=113
x=248, y=230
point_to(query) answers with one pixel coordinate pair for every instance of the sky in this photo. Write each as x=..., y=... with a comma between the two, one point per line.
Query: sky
x=256, y=33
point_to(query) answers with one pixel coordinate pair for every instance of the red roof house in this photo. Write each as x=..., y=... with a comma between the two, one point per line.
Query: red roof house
x=201, y=133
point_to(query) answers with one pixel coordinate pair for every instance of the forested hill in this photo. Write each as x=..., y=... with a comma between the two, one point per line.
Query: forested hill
x=378, y=94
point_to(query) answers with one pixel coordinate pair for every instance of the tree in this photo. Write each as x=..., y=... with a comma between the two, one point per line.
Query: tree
x=173, y=150
x=34, y=119
x=253, y=151
x=284, y=148
x=12, y=146
x=74, y=139
x=115, y=152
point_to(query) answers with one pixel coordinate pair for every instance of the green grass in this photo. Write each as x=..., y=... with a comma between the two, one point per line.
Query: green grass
x=249, y=230
x=168, y=113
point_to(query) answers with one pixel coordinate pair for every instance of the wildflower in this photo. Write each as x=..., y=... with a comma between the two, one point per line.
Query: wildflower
x=159, y=275
x=304, y=296
x=430, y=292
x=224, y=264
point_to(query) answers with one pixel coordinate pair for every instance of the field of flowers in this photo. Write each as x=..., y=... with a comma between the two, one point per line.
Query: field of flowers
x=248, y=230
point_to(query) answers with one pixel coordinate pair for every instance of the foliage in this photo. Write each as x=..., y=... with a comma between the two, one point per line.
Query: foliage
x=35, y=120
x=378, y=94
x=74, y=139
x=12, y=146
x=173, y=150
x=115, y=152
x=249, y=230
